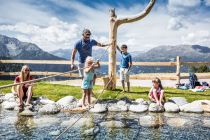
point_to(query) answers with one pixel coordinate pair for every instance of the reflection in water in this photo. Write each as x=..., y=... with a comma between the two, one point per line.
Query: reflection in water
x=27, y=128
x=24, y=125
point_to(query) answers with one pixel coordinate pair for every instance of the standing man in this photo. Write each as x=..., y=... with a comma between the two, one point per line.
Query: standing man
x=84, y=47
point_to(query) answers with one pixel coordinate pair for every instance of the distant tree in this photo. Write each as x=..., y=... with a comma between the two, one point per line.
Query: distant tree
x=200, y=69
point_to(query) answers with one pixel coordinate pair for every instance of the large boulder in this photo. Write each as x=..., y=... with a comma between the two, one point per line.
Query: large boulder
x=149, y=121
x=45, y=101
x=112, y=124
x=117, y=108
x=98, y=108
x=9, y=105
x=27, y=113
x=138, y=108
x=140, y=100
x=191, y=108
x=153, y=107
x=10, y=97
x=1, y=98
x=205, y=104
x=49, y=109
x=178, y=100
x=171, y=107
x=66, y=103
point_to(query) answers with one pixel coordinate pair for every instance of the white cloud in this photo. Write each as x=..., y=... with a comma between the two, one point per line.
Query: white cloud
x=207, y=2
x=58, y=34
x=142, y=35
x=175, y=24
x=199, y=37
x=13, y=11
x=185, y=3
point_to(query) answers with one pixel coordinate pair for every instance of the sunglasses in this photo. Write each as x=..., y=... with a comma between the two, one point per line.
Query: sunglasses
x=27, y=70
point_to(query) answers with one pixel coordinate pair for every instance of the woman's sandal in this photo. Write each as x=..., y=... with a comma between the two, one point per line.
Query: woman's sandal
x=20, y=108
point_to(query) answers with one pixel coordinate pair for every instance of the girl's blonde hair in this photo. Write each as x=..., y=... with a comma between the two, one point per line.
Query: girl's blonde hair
x=157, y=80
x=88, y=59
x=22, y=76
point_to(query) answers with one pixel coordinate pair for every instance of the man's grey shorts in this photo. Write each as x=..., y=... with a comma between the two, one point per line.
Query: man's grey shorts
x=81, y=69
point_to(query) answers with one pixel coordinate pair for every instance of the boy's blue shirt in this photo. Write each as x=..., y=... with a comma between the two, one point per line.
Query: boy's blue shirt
x=125, y=59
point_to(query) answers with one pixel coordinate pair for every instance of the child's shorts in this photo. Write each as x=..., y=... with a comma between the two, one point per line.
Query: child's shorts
x=124, y=74
x=87, y=84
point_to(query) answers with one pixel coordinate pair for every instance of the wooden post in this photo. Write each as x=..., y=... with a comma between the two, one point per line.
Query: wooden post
x=114, y=24
x=178, y=66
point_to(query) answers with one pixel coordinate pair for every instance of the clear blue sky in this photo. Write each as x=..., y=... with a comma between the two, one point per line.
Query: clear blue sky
x=54, y=24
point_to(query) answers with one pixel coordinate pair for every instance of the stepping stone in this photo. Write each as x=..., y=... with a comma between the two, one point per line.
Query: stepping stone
x=49, y=109
x=171, y=107
x=178, y=100
x=27, y=113
x=191, y=108
x=153, y=107
x=98, y=108
x=138, y=108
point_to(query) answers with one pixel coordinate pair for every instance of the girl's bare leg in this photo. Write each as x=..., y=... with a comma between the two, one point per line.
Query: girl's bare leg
x=29, y=95
x=84, y=97
x=20, y=94
x=151, y=99
x=161, y=97
x=156, y=97
x=89, y=94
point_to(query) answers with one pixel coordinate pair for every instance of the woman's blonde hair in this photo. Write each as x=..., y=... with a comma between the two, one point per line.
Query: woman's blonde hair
x=22, y=76
x=87, y=60
x=157, y=80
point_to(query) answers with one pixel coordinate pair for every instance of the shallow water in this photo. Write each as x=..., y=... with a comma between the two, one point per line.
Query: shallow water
x=39, y=127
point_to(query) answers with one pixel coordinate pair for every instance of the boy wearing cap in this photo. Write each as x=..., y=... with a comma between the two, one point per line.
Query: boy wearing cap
x=125, y=65
x=84, y=48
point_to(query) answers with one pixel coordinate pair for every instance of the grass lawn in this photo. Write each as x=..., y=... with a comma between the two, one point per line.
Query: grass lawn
x=55, y=92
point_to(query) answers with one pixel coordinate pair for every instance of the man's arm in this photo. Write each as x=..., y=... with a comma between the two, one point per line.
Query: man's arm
x=73, y=53
x=103, y=45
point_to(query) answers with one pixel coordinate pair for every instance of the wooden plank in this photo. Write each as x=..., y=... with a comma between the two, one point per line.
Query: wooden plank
x=37, y=61
x=39, y=73
x=67, y=62
x=154, y=63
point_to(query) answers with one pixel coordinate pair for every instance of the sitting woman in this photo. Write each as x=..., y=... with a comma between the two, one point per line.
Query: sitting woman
x=156, y=93
x=24, y=91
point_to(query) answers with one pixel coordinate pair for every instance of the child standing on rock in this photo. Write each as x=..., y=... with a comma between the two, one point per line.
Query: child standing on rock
x=156, y=93
x=125, y=65
x=87, y=83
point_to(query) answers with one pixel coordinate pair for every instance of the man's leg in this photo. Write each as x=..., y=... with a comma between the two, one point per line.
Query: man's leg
x=81, y=69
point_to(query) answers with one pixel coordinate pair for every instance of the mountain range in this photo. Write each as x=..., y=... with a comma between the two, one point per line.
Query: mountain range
x=157, y=54
x=12, y=48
